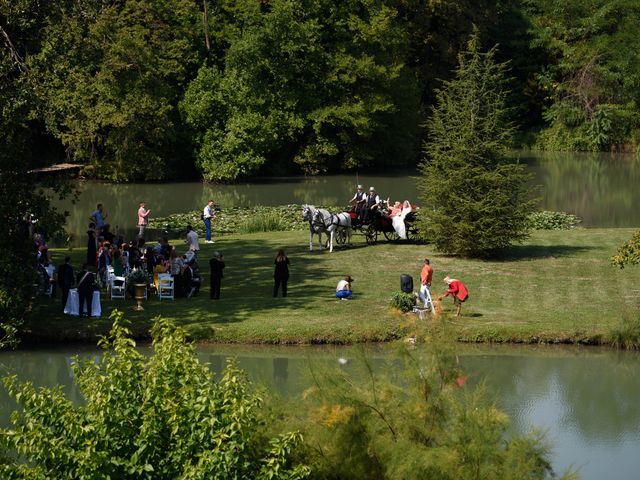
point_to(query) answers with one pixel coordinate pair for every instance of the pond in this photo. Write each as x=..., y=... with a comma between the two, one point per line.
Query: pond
x=600, y=188
x=586, y=399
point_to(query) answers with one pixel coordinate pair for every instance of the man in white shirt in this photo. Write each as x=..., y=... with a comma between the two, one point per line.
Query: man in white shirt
x=192, y=240
x=207, y=216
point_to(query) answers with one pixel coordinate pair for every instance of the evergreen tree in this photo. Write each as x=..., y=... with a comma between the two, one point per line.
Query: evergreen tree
x=475, y=200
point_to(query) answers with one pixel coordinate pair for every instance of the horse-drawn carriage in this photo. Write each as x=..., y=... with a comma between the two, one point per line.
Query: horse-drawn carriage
x=394, y=224
x=381, y=220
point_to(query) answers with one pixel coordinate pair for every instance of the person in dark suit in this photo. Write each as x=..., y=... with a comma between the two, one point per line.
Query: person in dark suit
x=217, y=266
x=65, y=279
x=86, y=286
x=191, y=281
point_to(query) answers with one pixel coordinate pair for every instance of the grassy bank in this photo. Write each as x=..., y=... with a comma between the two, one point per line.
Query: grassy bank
x=557, y=287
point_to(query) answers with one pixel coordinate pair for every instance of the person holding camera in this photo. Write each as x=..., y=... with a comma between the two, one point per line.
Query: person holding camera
x=208, y=215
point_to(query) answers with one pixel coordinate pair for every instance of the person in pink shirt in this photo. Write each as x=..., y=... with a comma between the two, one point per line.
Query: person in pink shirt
x=458, y=291
x=143, y=220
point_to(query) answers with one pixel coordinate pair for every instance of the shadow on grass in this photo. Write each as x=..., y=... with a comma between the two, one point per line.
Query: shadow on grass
x=531, y=252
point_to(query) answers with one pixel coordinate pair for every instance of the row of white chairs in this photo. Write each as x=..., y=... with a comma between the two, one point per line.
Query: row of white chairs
x=117, y=286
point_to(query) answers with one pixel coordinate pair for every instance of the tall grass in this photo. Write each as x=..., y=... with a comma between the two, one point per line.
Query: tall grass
x=626, y=334
x=265, y=222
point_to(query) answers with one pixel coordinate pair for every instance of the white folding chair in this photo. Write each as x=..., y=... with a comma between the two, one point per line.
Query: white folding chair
x=118, y=287
x=165, y=286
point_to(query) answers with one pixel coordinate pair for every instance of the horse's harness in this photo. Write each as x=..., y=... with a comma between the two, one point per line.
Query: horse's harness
x=322, y=223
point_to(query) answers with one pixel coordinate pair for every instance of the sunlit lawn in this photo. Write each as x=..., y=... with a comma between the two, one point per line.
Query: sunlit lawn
x=558, y=285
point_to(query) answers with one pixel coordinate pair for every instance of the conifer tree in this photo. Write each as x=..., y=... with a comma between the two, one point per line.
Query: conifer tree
x=476, y=201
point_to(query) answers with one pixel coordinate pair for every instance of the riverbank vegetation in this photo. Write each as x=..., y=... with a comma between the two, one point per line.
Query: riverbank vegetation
x=164, y=416
x=137, y=90
x=233, y=220
x=557, y=287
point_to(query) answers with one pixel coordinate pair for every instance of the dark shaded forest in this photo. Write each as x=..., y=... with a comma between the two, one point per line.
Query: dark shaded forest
x=170, y=89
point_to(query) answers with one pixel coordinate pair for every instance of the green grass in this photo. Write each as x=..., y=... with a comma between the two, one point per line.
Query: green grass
x=558, y=287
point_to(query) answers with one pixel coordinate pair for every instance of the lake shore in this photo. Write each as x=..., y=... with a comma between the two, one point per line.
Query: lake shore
x=558, y=287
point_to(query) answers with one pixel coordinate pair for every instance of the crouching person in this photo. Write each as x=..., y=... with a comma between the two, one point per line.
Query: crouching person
x=343, y=290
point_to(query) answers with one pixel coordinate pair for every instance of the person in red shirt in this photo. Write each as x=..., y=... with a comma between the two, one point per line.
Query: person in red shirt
x=458, y=291
x=425, y=282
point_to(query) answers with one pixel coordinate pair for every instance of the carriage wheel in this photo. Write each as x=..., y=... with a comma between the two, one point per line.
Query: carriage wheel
x=412, y=233
x=391, y=236
x=341, y=236
x=371, y=235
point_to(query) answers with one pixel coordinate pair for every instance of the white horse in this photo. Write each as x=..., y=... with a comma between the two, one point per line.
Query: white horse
x=331, y=222
x=308, y=213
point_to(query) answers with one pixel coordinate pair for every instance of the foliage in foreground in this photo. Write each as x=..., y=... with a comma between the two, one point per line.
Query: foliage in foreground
x=422, y=422
x=628, y=253
x=476, y=201
x=161, y=417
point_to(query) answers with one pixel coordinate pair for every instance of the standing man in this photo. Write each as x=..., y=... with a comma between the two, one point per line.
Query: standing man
x=216, y=264
x=86, y=286
x=207, y=215
x=358, y=200
x=192, y=240
x=143, y=219
x=425, y=282
x=65, y=279
x=98, y=217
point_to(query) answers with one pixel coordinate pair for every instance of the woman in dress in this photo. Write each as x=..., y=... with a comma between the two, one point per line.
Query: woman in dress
x=281, y=273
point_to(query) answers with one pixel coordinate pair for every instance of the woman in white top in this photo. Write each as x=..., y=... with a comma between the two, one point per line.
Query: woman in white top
x=343, y=290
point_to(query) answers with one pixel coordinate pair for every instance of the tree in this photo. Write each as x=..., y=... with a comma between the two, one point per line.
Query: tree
x=109, y=79
x=424, y=422
x=161, y=417
x=316, y=85
x=628, y=253
x=19, y=194
x=475, y=200
x=592, y=75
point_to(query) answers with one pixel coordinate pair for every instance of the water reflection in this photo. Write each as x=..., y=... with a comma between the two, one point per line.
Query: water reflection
x=600, y=188
x=587, y=400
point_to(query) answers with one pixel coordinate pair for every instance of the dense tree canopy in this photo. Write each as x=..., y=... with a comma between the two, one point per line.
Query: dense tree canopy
x=133, y=89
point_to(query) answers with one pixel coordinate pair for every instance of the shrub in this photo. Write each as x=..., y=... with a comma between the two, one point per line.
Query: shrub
x=161, y=417
x=547, y=220
x=403, y=301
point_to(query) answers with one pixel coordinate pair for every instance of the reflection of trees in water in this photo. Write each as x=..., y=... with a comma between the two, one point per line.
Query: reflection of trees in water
x=598, y=393
x=43, y=369
x=598, y=187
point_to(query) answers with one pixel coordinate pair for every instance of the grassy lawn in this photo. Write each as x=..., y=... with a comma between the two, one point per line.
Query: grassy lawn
x=558, y=286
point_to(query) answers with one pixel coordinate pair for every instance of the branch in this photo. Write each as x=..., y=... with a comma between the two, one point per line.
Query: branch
x=15, y=56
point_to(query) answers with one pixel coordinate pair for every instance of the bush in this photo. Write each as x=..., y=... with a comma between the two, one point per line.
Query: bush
x=547, y=220
x=161, y=417
x=403, y=301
